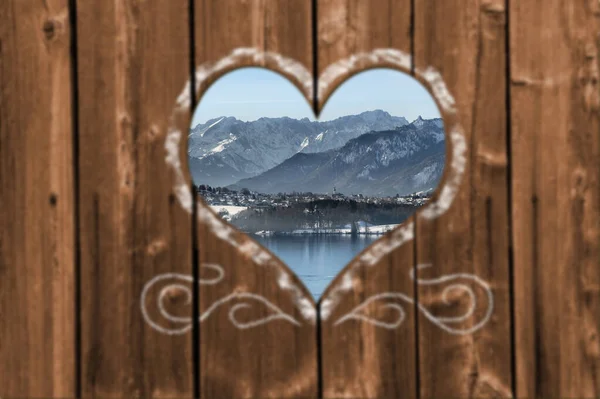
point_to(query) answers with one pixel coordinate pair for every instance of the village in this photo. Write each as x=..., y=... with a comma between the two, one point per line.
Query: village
x=223, y=198
x=310, y=212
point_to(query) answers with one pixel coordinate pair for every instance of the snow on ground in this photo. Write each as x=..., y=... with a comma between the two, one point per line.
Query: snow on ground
x=221, y=144
x=382, y=228
x=304, y=144
x=264, y=233
x=232, y=209
x=379, y=229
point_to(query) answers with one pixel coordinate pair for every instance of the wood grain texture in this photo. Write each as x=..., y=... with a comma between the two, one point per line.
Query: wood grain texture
x=133, y=59
x=358, y=358
x=350, y=27
x=277, y=359
x=37, y=297
x=465, y=41
x=278, y=27
x=555, y=109
x=133, y=62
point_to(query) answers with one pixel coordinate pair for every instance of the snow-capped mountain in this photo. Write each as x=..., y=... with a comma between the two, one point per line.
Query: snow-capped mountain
x=225, y=150
x=401, y=161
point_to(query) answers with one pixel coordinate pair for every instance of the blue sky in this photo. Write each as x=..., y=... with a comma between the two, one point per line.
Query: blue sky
x=252, y=93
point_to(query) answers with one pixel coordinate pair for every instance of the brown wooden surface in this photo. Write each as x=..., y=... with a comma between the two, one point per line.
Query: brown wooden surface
x=133, y=61
x=465, y=41
x=277, y=359
x=360, y=359
x=37, y=329
x=348, y=27
x=555, y=157
x=530, y=193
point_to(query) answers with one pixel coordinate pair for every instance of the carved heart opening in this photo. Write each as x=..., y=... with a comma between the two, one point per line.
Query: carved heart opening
x=245, y=285
x=316, y=191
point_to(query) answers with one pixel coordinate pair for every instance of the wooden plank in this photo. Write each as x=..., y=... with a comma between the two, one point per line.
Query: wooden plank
x=133, y=63
x=277, y=27
x=361, y=359
x=555, y=151
x=350, y=27
x=37, y=297
x=465, y=42
x=275, y=355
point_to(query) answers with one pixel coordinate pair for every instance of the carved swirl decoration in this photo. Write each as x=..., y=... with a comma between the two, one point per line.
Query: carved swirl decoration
x=182, y=283
x=390, y=300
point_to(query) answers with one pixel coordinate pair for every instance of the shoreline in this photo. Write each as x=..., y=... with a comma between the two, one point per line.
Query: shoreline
x=372, y=231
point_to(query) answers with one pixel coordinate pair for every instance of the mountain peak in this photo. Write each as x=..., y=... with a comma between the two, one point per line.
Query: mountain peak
x=374, y=115
x=375, y=112
x=423, y=123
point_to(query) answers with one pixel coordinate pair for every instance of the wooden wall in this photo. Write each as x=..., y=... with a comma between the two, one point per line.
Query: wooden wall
x=116, y=282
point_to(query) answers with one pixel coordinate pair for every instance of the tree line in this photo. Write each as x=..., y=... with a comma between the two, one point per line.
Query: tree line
x=321, y=214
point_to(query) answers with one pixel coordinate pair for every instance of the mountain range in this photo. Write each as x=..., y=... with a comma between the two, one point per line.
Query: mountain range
x=373, y=153
x=224, y=150
x=385, y=163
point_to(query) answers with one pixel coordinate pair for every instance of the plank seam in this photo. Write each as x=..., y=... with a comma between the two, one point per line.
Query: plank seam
x=415, y=257
x=412, y=36
x=315, y=60
x=509, y=191
x=416, y=314
x=72, y=9
x=196, y=331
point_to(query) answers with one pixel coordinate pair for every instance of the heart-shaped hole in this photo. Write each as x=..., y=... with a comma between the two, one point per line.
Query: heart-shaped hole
x=316, y=192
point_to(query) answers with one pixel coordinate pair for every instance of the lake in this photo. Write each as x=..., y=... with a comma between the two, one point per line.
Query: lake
x=316, y=259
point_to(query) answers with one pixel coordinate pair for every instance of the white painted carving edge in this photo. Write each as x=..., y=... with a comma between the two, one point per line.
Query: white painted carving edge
x=380, y=248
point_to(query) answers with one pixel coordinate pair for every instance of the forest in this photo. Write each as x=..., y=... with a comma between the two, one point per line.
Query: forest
x=321, y=214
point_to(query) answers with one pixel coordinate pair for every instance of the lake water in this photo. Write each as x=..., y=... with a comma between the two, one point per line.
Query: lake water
x=316, y=259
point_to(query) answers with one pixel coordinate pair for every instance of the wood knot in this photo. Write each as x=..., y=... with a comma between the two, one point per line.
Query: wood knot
x=49, y=29
x=153, y=132
x=494, y=11
x=332, y=31
x=125, y=121
x=53, y=199
x=592, y=346
x=579, y=183
x=493, y=8
x=156, y=247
